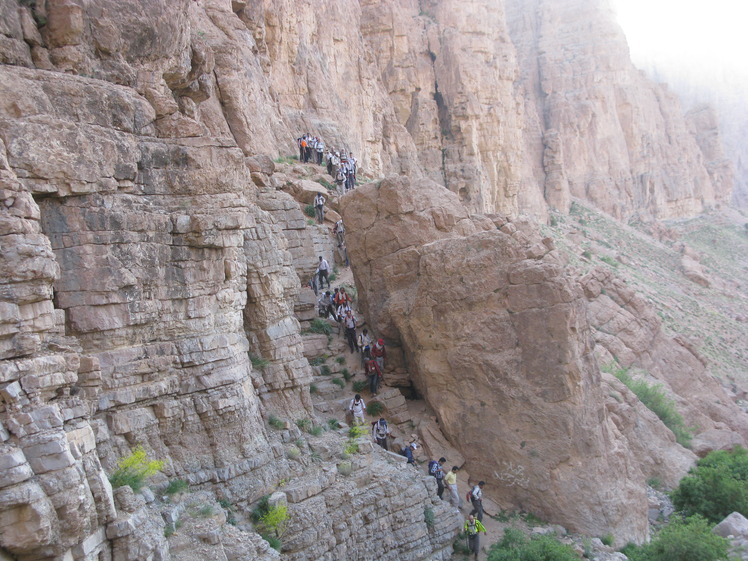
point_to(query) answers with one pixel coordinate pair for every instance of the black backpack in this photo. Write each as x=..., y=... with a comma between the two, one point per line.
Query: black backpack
x=433, y=466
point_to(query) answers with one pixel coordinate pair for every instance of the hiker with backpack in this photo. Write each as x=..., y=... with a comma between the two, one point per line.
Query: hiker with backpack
x=451, y=480
x=349, y=322
x=473, y=527
x=436, y=470
x=380, y=431
x=364, y=345
x=371, y=370
x=476, y=499
x=357, y=408
x=324, y=305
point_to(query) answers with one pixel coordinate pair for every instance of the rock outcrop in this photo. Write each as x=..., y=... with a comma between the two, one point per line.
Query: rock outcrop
x=497, y=340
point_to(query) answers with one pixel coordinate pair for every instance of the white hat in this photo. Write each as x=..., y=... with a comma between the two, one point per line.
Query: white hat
x=414, y=445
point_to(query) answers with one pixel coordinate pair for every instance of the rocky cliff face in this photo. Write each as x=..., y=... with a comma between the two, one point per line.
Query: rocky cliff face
x=499, y=339
x=150, y=251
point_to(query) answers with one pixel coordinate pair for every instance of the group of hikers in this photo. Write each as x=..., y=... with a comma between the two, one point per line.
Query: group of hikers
x=340, y=164
x=380, y=432
x=337, y=304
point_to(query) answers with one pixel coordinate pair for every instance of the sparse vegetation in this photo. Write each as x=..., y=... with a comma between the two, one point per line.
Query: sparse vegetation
x=258, y=362
x=346, y=374
x=345, y=468
x=286, y=159
x=176, y=486
x=716, y=487
x=293, y=453
x=689, y=539
x=316, y=430
x=134, y=469
x=304, y=424
x=359, y=386
x=654, y=398
x=333, y=424
x=324, y=370
x=318, y=360
x=607, y=539
x=375, y=408
x=206, y=511
x=309, y=211
x=515, y=546
x=338, y=382
x=313, y=389
x=326, y=184
x=609, y=260
x=271, y=521
x=428, y=517
x=340, y=360
x=320, y=326
x=276, y=423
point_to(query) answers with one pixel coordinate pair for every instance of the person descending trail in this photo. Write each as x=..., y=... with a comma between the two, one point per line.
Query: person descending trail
x=451, y=481
x=379, y=353
x=324, y=272
x=357, y=408
x=380, y=431
x=473, y=527
x=476, y=498
x=436, y=470
x=349, y=322
x=407, y=451
x=374, y=374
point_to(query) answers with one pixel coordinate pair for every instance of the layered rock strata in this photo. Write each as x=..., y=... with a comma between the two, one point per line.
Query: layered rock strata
x=497, y=341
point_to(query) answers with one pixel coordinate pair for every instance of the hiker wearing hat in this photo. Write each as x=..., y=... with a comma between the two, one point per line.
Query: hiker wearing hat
x=408, y=452
x=476, y=498
x=379, y=353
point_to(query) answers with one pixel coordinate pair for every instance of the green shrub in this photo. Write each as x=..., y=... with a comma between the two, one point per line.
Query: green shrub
x=654, y=398
x=334, y=424
x=350, y=448
x=359, y=386
x=345, y=468
x=276, y=423
x=428, y=517
x=338, y=382
x=319, y=325
x=375, y=408
x=691, y=539
x=609, y=260
x=325, y=370
x=655, y=483
x=346, y=374
x=716, y=487
x=515, y=546
x=333, y=277
x=340, y=359
x=607, y=539
x=309, y=211
x=176, y=486
x=316, y=430
x=356, y=431
x=274, y=542
x=293, y=453
x=226, y=504
x=286, y=159
x=258, y=362
x=317, y=361
x=460, y=545
x=313, y=389
x=326, y=184
x=134, y=469
x=303, y=424
x=263, y=505
x=206, y=511
x=275, y=520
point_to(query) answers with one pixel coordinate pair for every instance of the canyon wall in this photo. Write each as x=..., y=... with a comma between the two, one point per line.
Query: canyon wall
x=149, y=252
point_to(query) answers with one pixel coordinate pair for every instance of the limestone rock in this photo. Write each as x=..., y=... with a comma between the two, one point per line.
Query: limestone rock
x=491, y=334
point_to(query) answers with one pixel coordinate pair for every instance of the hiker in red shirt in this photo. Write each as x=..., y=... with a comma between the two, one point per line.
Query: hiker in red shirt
x=379, y=353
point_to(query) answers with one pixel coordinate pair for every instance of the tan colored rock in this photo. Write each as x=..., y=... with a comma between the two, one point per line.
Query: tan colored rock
x=491, y=335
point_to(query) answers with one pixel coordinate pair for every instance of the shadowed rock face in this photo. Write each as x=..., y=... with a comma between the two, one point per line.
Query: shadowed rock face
x=497, y=339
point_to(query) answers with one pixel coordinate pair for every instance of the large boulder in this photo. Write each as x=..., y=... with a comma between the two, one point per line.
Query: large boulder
x=497, y=340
